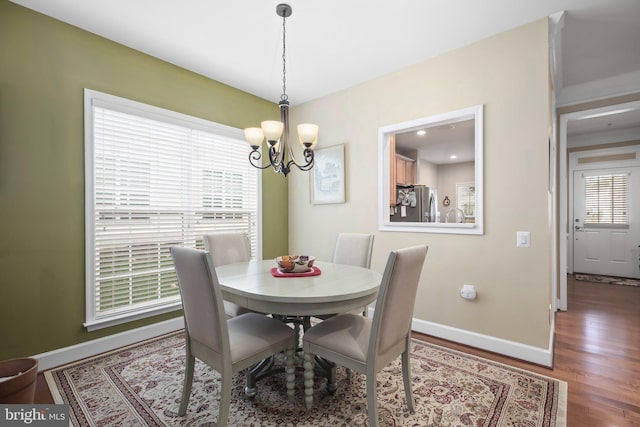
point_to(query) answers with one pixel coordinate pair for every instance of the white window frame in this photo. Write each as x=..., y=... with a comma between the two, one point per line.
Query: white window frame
x=92, y=100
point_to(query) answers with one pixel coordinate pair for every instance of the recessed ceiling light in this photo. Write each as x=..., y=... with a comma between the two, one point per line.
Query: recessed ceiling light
x=453, y=156
x=421, y=132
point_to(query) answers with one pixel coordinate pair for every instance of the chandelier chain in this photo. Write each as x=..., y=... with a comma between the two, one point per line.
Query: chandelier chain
x=284, y=96
x=276, y=133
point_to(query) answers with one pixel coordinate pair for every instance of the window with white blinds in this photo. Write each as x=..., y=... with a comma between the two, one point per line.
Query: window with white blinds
x=466, y=199
x=606, y=199
x=155, y=179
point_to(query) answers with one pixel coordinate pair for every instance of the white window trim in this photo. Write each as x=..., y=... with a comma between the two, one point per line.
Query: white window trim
x=384, y=138
x=94, y=98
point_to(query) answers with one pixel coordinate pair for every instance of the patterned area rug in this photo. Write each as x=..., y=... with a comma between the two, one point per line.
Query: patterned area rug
x=607, y=279
x=141, y=386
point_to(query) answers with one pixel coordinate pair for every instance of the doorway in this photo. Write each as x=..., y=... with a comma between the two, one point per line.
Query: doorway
x=595, y=122
x=606, y=201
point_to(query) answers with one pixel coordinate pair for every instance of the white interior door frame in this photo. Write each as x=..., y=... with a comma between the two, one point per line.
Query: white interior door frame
x=563, y=177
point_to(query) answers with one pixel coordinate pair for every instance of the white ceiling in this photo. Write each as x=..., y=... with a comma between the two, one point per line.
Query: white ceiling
x=619, y=120
x=335, y=44
x=440, y=142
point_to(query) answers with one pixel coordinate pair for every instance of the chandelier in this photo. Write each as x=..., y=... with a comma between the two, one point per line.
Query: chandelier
x=276, y=133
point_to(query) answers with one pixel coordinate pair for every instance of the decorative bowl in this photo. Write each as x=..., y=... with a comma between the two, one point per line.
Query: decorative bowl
x=295, y=263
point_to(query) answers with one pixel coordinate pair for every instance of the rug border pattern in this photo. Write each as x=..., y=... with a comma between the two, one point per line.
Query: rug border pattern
x=554, y=407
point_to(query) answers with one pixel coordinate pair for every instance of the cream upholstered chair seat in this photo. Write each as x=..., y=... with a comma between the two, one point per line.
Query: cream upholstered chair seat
x=227, y=345
x=227, y=248
x=368, y=345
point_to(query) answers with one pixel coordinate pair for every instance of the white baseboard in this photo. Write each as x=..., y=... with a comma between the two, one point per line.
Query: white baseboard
x=537, y=355
x=62, y=356
x=91, y=348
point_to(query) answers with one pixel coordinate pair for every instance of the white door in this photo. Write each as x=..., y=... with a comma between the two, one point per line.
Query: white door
x=606, y=212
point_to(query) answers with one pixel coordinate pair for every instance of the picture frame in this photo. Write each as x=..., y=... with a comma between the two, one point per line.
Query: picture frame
x=327, y=176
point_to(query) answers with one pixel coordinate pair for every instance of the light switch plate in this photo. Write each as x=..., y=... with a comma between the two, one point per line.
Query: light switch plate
x=523, y=239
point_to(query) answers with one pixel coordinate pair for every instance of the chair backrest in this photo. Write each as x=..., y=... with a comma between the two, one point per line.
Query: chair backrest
x=353, y=249
x=204, y=314
x=396, y=298
x=228, y=247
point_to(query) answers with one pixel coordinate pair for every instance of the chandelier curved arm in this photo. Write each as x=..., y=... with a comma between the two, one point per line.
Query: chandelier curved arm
x=308, y=157
x=255, y=156
x=276, y=159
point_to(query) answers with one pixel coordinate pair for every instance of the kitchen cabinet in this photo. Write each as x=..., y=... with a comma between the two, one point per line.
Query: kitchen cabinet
x=405, y=170
x=402, y=171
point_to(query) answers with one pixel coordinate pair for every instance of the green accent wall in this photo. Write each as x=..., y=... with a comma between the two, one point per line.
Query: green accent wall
x=45, y=65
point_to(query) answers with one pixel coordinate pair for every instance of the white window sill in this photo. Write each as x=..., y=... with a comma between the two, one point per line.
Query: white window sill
x=119, y=319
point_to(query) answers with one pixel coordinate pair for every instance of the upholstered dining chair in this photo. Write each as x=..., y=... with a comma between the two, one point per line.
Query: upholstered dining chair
x=227, y=248
x=368, y=345
x=352, y=249
x=227, y=345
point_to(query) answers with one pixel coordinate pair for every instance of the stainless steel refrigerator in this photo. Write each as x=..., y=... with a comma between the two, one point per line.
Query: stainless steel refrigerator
x=416, y=203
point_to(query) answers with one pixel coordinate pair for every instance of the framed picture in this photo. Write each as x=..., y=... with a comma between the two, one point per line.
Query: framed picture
x=327, y=177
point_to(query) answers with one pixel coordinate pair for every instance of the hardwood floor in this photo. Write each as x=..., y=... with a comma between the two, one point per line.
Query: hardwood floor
x=597, y=352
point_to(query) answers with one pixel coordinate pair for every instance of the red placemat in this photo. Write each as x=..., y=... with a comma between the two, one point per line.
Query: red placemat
x=315, y=271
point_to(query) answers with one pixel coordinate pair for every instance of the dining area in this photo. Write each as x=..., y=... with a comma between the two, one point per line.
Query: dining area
x=242, y=314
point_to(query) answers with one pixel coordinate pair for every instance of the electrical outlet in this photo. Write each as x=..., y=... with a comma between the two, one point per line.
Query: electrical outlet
x=468, y=292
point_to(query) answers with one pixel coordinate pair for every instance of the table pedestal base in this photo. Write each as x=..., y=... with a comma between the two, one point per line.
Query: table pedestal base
x=265, y=368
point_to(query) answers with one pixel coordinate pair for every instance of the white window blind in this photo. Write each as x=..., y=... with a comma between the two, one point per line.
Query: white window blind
x=466, y=199
x=606, y=199
x=159, y=179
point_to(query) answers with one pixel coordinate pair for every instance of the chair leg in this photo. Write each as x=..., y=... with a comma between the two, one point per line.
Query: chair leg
x=290, y=372
x=225, y=399
x=188, y=381
x=406, y=377
x=372, y=401
x=308, y=379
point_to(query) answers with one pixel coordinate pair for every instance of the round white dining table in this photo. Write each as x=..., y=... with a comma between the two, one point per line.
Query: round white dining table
x=338, y=288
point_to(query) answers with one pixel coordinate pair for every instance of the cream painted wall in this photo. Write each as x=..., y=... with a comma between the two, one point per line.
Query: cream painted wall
x=448, y=177
x=427, y=172
x=508, y=73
